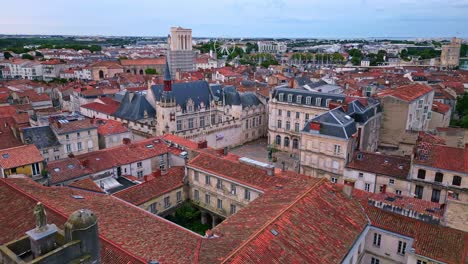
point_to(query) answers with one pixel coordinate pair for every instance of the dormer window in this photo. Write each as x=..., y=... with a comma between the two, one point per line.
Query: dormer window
x=308, y=100
x=290, y=98
x=281, y=97
x=299, y=99
x=318, y=101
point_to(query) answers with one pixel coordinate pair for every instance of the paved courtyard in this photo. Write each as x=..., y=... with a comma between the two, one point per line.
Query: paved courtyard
x=258, y=150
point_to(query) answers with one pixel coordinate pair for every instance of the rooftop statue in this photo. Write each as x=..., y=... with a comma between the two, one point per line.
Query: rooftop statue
x=41, y=217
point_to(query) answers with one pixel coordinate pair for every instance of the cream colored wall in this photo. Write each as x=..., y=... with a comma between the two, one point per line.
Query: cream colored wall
x=159, y=201
x=318, y=157
x=394, y=118
x=440, y=120
x=273, y=118
x=84, y=138
x=388, y=250
x=429, y=183
x=215, y=193
x=402, y=185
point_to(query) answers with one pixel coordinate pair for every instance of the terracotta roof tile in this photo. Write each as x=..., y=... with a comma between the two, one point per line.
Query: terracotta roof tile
x=394, y=166
x=110, y=127
x=74, y=126
x=408, y=92
x=153, y=188
x=19, y=156
x=86, y=184
x=440, y=107
x=101, y=108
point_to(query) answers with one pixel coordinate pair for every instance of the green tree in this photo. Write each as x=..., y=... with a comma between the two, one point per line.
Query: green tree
x=38, y=54
x=27, y=57
x=7, y=55
x=462, y=105
x=151, y=71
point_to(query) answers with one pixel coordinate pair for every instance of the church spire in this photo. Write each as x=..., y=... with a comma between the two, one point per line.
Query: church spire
x=167, y=78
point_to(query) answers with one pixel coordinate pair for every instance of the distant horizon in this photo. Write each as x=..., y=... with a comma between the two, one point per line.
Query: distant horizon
x=234, y=37
x=332, y=19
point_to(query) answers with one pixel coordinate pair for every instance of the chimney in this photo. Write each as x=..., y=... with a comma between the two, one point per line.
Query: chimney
x=126, y=141
x=384, y=188
x=202, y=144
x=84, y=162
x=283, y=166
x=91, y=120
x=348, y=188
x=314, y=126
x=225, y=151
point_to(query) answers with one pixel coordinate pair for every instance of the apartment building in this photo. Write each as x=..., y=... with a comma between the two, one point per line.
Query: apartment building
x=405, y=109
x=76, y=137
x=289, y=110
x=438, y=171
x=327, y=144
x=378, y=173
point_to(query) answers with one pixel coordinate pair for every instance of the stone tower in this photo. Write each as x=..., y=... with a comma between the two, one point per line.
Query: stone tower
x=166, y=107
x=180, y=53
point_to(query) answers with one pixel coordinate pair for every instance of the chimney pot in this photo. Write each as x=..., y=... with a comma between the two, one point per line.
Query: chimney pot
x=348, y=188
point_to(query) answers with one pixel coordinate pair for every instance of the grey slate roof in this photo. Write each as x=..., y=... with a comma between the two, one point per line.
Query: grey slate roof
x=133, y=108
x=43, y=137
x=302, y=80
x=304, y=94
x=198, y=91
x=334, y=123
x=249, y=99
x=361, y=113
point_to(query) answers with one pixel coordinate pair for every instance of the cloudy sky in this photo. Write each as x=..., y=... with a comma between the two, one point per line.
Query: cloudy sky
x=239, y=18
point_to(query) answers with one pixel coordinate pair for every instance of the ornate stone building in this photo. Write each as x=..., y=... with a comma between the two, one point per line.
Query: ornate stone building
x=180, y=53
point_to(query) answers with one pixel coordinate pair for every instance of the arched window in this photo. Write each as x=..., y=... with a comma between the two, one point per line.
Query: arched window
x=141, y=72
x=278, y=140
x=295, y=143
x=286, y=142
x=101, y=74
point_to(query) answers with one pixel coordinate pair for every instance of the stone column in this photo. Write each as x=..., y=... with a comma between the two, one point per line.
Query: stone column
x=213, y=222
x=204, y=219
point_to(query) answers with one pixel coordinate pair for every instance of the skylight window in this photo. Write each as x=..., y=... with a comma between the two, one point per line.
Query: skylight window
x=5, y=156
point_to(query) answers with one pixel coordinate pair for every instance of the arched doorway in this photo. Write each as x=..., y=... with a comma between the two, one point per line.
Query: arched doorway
x=295, y=143
x=141, y=72
x=101, y=74
x=278, y=140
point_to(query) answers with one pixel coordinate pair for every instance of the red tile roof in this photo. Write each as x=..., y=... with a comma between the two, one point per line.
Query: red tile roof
x=7, y=138
x=101, y=108
x=440, y=243
x=300, y=223
x=86, y=184
x=19, y=156
x=137, y=235
x=408, y=92
x=144, y=62
x=180, y=141
x=74, y=126
x=393, y=166
x=234, y=170
x=153, y=188
x=110, y=127
x=65, y=170
x=440, y=107
x=440, y=156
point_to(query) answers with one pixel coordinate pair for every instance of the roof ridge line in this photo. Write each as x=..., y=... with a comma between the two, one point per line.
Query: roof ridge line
x=55, y=210
x=313, y=187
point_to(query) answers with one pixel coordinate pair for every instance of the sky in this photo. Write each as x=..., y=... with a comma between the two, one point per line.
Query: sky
x=239, y=18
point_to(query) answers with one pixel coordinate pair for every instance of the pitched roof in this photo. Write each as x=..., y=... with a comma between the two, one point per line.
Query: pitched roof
x=19, y=156
x=408, y=92
x=7, y=137
x=393, y=166
x=42, y=137
x=73, y=126
x=86, y=184
x=134, y=106
x=101, y=108
x=153, y=188
x=440, y=243
x=110, y=127
x=301, y=222
x=180, y=141
x=143, y=62
x=137, y=236
x=65, y=170
x=237, y=171
x=334, y=123
x=441, y=157
x=440, y=107
x=198, y=91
